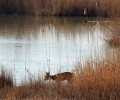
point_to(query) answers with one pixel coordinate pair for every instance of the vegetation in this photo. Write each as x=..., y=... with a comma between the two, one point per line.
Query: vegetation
x=94, y=80
x=6, y=79
x=60, y=7
x=99, y=80
x=113, y=34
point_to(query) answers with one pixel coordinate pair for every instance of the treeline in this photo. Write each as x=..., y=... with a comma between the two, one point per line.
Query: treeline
x=61, y=7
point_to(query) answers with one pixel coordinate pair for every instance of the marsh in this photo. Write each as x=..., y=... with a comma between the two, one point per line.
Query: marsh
x=37, y=44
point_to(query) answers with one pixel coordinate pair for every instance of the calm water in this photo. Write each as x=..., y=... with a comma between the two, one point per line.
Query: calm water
x=39, y=44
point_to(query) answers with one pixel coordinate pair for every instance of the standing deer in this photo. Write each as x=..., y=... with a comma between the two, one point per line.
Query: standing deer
x=60, y=76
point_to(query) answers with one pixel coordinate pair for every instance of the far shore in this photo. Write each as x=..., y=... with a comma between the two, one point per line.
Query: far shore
x=84, y=8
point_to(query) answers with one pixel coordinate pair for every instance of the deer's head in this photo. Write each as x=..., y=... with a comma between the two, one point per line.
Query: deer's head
x=47, y=76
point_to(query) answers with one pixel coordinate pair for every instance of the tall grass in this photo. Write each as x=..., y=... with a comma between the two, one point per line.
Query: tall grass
x=6, y=83
x=60, y=7
x=98, y=80
x=113, y=34
x=6, y=79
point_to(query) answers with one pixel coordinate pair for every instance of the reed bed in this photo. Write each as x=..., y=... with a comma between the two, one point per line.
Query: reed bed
x=60, y=7
x=6, y=82
x=6, y=79
x=98, y=80
x=112, y=37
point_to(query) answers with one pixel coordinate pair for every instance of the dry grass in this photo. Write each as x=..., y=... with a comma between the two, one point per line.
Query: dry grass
x=60, y=7
x=113, y=34
x=6, y=83
x=99, y=80
x=6, y=79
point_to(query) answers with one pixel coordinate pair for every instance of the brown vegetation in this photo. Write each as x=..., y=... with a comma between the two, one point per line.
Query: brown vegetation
x=113, y=34
x=6, y=79
x=60, y=7
x=99, y=80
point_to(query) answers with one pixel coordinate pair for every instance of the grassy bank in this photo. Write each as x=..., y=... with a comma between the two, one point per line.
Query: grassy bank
x=60, y=7
x=99, y=80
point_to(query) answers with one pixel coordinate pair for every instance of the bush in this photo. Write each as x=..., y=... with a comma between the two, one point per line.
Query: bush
x=6, y=79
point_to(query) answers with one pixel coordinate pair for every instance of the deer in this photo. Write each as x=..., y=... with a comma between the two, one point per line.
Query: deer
x=60, y=76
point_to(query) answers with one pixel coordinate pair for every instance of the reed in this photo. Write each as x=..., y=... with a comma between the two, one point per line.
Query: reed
x=6, y=79
x=60, y=7
x=98, y=80
x=112, y=37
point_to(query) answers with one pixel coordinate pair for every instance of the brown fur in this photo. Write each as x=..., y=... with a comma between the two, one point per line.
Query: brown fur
x=60, y=76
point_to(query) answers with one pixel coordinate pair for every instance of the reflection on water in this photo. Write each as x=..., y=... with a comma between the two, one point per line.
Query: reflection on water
x=39, y=44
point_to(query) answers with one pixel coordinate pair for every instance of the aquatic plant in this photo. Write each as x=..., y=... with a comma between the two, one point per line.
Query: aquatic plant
x=6, y=79
x=97, y=80
x=60, y=7
x=112, y=37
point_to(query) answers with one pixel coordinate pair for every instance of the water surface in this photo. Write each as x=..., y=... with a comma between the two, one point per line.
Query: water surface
x=38, y=44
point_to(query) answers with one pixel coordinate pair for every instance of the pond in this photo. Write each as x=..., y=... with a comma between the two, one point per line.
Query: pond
x=32, y=45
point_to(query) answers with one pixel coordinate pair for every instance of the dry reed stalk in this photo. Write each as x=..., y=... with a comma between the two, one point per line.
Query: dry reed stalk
x=60, y=7
x=98, y=80
x=113, y=35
